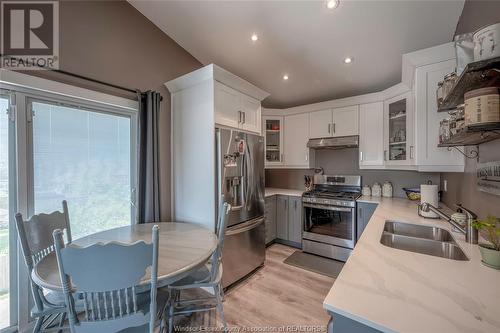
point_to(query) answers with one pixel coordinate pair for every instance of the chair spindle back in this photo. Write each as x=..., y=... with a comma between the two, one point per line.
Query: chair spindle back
x=107, y=275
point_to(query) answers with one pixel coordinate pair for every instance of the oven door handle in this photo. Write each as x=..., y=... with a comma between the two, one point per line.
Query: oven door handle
x=333, y=208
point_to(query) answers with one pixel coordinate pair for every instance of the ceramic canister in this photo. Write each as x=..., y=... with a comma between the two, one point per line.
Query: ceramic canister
x=376, y=190
x=367, y=191
x=387, y=189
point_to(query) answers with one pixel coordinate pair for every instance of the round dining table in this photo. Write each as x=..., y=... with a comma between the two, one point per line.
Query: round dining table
x=182, y=248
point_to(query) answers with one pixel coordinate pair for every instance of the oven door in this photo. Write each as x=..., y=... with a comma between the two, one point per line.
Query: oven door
x=329, y=224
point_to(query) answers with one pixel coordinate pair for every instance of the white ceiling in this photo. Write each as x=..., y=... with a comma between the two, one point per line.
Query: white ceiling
x=307, y=41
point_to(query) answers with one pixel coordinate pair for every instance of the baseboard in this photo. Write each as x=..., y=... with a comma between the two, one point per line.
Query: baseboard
x=288, y=243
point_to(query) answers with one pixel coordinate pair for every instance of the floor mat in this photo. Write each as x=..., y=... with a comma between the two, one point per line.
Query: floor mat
x=317, y=264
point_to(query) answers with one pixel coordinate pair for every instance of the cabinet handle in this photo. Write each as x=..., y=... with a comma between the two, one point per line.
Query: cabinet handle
x=411, y=152
x=244, y=117
x=333, y=127
x=239, y=117
x=307, y=157
x=361, y=156
x=295, y=205
x=385, y=155
x=329, y=128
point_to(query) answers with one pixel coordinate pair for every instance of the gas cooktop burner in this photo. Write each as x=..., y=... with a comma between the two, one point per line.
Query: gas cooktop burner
x=332, y=195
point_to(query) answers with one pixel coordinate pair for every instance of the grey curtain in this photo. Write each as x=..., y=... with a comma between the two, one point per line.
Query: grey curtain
x=148, y=196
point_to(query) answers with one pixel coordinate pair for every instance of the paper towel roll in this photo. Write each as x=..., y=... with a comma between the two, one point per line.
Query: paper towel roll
x=429, y=194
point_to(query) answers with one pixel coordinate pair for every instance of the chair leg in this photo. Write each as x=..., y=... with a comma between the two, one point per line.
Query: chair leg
x=220, y=309
x=61, y=321
x=38, y=324
x=171, y=305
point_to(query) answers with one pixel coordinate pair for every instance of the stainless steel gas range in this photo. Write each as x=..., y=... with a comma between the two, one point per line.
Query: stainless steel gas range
x=330, y=216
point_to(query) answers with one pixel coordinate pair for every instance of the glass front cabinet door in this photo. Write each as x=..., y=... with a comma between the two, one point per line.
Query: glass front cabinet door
x=273, y=135
x=398, y=130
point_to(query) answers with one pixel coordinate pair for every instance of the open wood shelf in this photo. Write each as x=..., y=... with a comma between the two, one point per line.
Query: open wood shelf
x=479, y=74
x=473, y=135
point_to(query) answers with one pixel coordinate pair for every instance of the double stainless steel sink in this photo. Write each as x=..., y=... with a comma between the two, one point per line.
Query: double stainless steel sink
x=422, y=239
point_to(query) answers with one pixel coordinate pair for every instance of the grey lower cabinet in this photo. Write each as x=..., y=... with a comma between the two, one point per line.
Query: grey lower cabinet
x=295, y=219
x=282, y=217
x=341, y=324
x=284, y=220
x=288, y=219
x=270, y=219
x=364, y=213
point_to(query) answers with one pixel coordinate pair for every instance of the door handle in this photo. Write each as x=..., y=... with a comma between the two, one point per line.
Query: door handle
x=244, y=227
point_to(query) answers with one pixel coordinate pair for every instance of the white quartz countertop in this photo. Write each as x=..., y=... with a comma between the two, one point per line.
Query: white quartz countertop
x=270, y=191
x=399, y=291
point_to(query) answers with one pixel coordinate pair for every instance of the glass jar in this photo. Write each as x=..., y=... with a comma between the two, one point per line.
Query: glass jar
x=460, y=118
x=448, y=83
x=439, y=94
x=444, y=130
x=453, y=123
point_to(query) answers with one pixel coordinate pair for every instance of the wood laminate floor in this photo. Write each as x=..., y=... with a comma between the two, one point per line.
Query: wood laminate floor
x=276, y=295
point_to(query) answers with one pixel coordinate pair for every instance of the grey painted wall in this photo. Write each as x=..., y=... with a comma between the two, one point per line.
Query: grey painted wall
x=113, y=42
x=476, y=14
x=462, y=187
x=346, y=162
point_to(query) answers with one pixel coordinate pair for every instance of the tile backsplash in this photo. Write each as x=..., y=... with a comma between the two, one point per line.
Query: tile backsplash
x=346, y=162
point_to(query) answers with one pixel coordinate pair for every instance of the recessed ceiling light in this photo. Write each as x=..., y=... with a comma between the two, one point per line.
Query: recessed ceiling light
x=285, y=77
x=255, y=37
x=347, y=60
x=332, y=4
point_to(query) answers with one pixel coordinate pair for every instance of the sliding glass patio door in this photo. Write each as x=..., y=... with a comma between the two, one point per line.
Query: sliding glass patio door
x=7, y=228
x=54, y=148
x=82, y=156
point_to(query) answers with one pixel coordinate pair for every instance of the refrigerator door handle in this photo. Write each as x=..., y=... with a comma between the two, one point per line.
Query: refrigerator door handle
x=243, y=227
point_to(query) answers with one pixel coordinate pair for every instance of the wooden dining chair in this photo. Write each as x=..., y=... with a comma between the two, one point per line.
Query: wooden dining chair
x=35, y=236
x=209, y=276
x=106, y=276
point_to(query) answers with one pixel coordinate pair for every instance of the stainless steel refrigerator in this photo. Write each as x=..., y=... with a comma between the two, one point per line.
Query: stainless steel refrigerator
x=240, y=178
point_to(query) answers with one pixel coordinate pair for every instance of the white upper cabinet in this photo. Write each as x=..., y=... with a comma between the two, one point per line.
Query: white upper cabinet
x=320, y=124
x=345, y=121
x=332, y=123
x=296, y=153
x=371, y=135
x=250, y=108
x=227, y=106
x=234, y=109
x=429, y=157
x=399, y=148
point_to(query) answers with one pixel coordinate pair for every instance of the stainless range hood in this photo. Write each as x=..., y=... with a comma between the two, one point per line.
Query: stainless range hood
x=341, y=142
